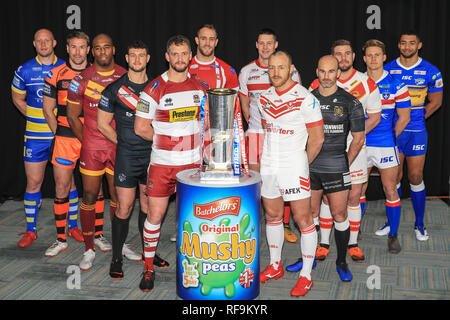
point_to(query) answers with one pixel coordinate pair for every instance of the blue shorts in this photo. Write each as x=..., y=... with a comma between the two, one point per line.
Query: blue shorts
x=412, y=143
x=36, y=150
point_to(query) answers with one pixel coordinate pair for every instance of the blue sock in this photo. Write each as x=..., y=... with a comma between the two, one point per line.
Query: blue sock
x=72, y=217
x=32, y=202
x=393, y=210
x=399, y=190
x=362, y=203
x=418, y=195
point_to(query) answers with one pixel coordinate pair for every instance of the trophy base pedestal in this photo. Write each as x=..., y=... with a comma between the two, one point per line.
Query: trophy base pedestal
x=225, y=177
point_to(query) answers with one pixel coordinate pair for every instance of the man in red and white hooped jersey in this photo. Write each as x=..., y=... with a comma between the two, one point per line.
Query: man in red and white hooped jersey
x=215, y=72
x=253, y=80
x=367, y=92
x=167, y=113
x=293, y=126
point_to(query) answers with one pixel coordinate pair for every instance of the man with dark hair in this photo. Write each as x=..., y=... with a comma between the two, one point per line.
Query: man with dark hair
x=97, y=153
x=176, y=142
x=212, y=70
x=119, y=102
x=66, y=147
x=253, y=80
x=424, y=83
x=26, y=93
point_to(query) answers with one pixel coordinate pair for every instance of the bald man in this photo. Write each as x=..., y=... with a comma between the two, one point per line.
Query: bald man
x=26, y=91
x=329, y=172
x=97, y=155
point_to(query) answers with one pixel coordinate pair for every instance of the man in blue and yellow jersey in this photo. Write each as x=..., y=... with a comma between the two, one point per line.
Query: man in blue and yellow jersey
x=27, y=89
x=425, y=86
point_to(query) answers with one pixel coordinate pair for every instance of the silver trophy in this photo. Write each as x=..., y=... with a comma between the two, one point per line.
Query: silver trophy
x=218, y=155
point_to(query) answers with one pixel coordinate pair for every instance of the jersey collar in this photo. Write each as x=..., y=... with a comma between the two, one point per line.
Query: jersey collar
x=205, y=63
x=419, y=61
x=344, y=81
x=39, y=61
x=259, y=64
x=280, y=93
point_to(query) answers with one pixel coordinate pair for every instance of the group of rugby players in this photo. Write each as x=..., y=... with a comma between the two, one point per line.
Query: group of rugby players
x=313, y=148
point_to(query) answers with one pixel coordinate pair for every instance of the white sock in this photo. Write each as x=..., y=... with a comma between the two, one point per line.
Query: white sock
x=151, y=238
x=354, y=217
x=275, y=240
x=326, y=223
x=308, y=243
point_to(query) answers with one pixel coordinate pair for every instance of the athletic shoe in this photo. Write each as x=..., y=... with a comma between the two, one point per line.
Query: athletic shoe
x=297, y=266
x=148, y=281
x=322, y=252
x=421, y=233
x=27, y=239
x=159, y=262
x=302, y=287
x=344, y=272
x=271, y=273
x=115, y=270
x=76, y=234
x=102, y=243
x=355, y=252
x=393, y=245
x=130, y=254
x=384, y=230
x=56, y=248
x=289, y=235
x=173, y=237
x=88, y=259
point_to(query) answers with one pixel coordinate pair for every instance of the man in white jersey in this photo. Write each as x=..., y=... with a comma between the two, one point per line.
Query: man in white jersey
x=167, y=113
x=366, y=90
x=253, y=80
x=294, y=135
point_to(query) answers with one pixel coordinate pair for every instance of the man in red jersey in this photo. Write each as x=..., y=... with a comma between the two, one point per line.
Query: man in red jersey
x=97, y=153
x=213, y=71
x=168, y=113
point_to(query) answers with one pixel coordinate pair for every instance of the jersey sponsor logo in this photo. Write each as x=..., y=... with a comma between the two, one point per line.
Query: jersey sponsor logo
x=154, y=86
x=387, y=159
x=183, y=114
x=104, y=102
x=393, y=71
x=272, y=129
x=63, y=162
x=420, y=72
x=143, y=106
x=419, y=81
x=290, y=191
x=418, y=147
x=338, y=111
x=406, y=77
x=333, y=128
x=74, y=85
x=439, y=83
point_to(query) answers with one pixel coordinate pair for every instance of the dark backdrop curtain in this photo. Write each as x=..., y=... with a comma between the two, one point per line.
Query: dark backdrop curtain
x=306, y=29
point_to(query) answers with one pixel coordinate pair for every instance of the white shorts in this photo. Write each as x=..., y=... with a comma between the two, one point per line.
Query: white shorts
x=289, y=183
x=382, y=157
x=358, y=169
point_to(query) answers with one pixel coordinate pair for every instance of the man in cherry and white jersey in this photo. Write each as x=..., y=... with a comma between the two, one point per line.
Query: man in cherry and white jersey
x=215, y=72
x=167, y=113
x=366, y=90
x=381, y=149
x=253, y=80
x=293, y=127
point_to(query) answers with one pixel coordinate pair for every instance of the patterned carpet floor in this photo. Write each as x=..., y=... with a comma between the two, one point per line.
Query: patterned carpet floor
x=420, y=272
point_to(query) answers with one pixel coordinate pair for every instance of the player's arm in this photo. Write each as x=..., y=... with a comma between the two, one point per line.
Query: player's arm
x=373, y=119
x=20, y=101
x=434, y=103
x=245, y=106
x=104, y=120
x=143, y=128
x=48, y=105
x=73, y=117
x=316, y=138
x=402, y=121
x=357, y=130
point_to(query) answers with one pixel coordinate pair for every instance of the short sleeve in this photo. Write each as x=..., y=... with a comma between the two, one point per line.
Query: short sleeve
x=106, y=102
x=311, y=111
x=76, y=90
x=243, y=79
x=436, y=83
x=356, y=116
x=50, y=89
x=374, y=99
x=18, y=82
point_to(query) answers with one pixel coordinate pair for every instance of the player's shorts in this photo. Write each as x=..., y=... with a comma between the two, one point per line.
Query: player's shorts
x=254, y=143
x=330, y=182
x=97, y=162
x=162, y=179
x=289, y=183
x=358, y=169
x=130, y=170
x=412, y=143
x=65, y=152
x=382, y=157
x=36, y=150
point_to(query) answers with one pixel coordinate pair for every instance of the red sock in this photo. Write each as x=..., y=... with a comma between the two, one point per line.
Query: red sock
x=87, y=217
x=287, y=212
x=151, y=238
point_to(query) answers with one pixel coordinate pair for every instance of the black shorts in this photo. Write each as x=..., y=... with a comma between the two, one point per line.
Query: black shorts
x=131, y=169
x=330, y=182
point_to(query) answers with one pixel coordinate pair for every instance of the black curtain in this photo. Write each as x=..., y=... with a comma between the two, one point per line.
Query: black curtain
x=305, y=28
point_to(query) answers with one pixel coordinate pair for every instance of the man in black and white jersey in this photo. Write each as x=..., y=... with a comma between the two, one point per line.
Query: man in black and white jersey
x=329, y=172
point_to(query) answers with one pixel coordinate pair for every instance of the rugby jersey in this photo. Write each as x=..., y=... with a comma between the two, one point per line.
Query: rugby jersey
x=215, y=73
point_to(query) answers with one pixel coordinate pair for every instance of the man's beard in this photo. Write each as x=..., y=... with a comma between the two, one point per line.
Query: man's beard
x=137, y=70
x=205, y=54
x=179, y=69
